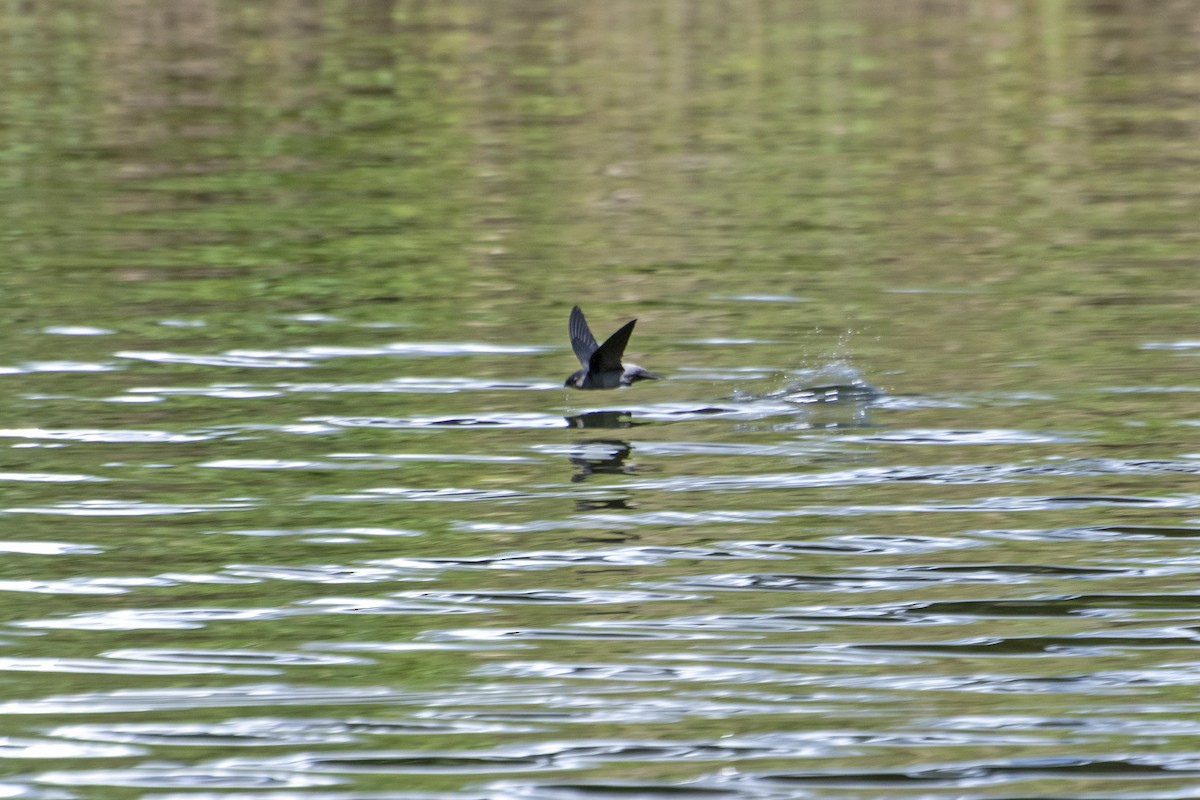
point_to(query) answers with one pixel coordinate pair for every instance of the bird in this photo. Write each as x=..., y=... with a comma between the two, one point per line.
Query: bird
x=602, y=368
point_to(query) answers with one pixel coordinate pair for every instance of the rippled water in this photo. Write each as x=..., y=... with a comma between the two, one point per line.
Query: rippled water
x=295, y=505
x=783, y=591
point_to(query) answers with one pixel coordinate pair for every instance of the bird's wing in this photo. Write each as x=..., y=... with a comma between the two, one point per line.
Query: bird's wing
x=608, y=355
x=582, y=341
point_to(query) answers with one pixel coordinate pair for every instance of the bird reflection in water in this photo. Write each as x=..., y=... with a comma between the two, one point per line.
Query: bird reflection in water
x=601, y=456
x=601, y=419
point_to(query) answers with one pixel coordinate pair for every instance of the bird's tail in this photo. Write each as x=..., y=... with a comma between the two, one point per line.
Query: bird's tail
x=638, y=374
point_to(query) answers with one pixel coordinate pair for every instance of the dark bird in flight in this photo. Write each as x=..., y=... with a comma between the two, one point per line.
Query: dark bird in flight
x=602, y=368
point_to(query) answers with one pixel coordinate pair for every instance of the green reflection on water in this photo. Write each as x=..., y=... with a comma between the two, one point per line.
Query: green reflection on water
x=993, y=198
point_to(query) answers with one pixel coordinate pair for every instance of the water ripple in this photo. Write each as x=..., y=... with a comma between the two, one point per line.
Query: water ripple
x=532, y=757
x=399, y=348
x=405, y=494
x=226, y=360
x=555, y=708
x=493, y=420
x=217, y=391
x=126, y=701
x=855, y=545
x=13, y=747
x=795, y=583
x=186, y=777
x=1144, y=531
x=34, y=367
x=286, y=464
x=1102, y=768
x=552, y=596
x=49, y=477
x=77, y=330
x=50, y=548
x=686, y=448
x=340, y=605
x=1087, y=723
x=94, y=666
x=549, y=559
x=1060, y=606
x=152, y=619
x=130, y=508
x=580, y=632
x=68, y=586
x=1179, y=344
x=327, y=535
x=896, y=578
x=268, y=731
x=788, y=621
x=403, y=762
x=968, y=437
x=98, y=435
x=617, y=789
x=949, y=474
x=326, y=794
x=630, y=672
x=322, y=573
x=235, y=657
x=765, y=516
x=409, y=385
x=670, y=518
x=404, y=385
x=445, y=458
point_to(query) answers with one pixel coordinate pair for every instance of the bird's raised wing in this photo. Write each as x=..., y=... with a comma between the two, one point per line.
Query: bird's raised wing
x=582, y=341
x=608, y=355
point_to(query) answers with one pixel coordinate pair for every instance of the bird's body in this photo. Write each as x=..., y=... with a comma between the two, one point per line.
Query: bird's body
x=602, y=367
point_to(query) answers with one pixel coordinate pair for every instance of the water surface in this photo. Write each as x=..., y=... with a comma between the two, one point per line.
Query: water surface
x=295, y=504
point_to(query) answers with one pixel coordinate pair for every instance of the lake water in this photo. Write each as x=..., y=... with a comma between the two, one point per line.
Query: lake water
x=294, y=503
